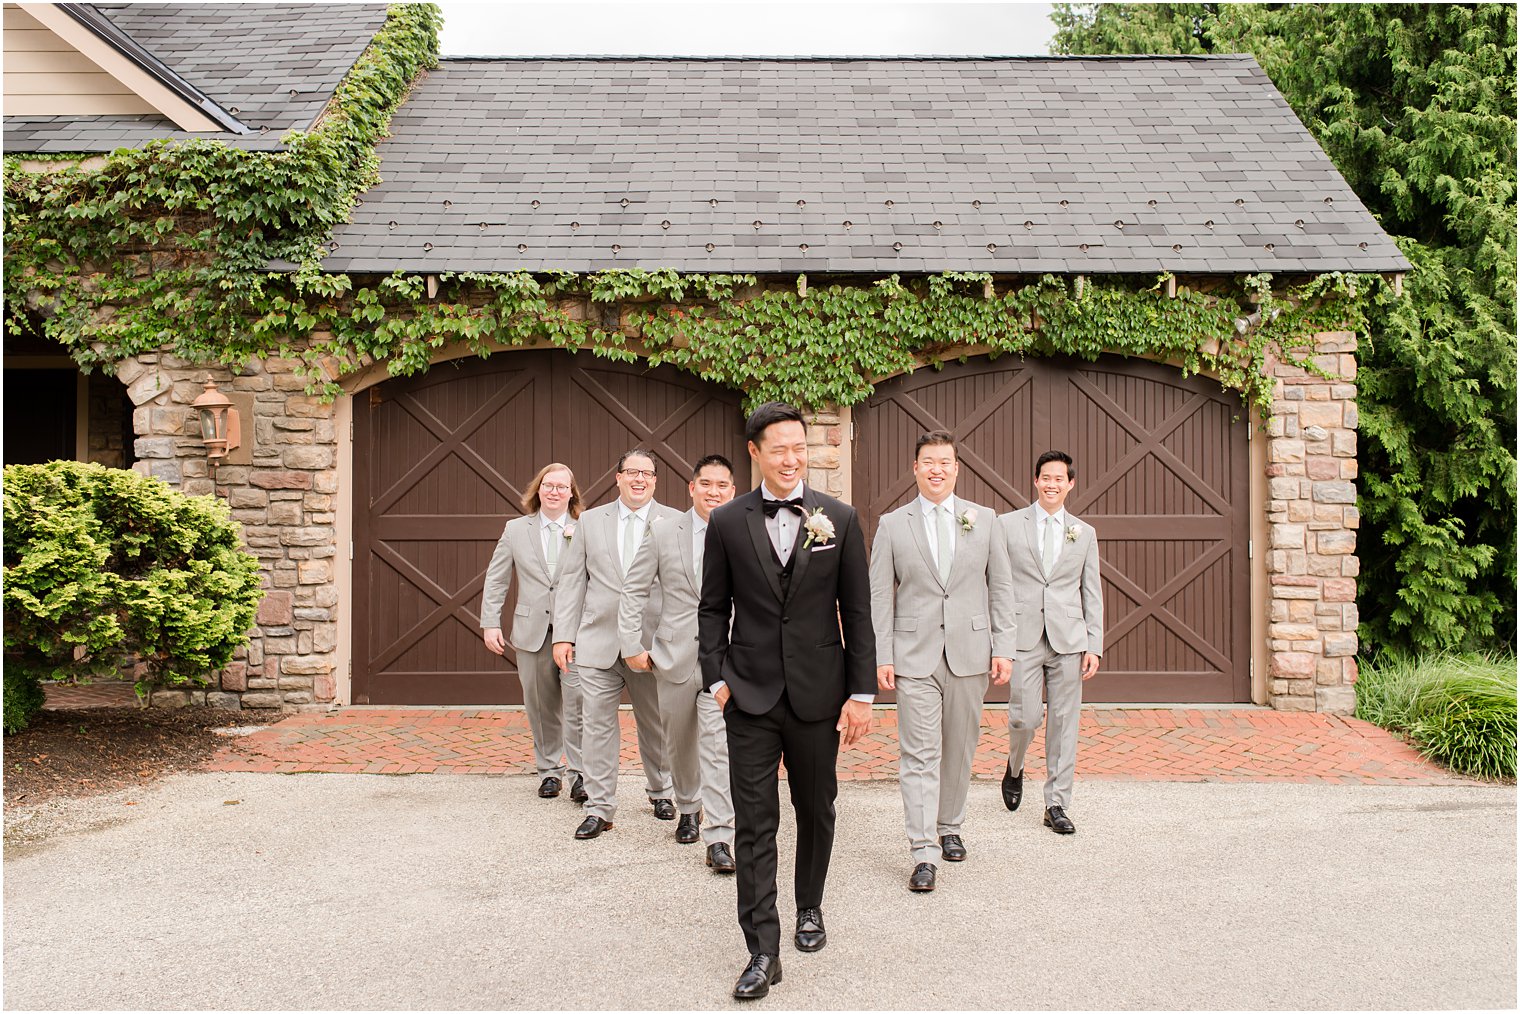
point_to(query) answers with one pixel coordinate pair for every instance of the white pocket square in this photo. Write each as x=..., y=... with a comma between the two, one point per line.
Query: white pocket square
x=819, y=549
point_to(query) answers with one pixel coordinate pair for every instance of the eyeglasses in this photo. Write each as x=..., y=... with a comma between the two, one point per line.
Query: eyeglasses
x=554, y=487
x=639, y=473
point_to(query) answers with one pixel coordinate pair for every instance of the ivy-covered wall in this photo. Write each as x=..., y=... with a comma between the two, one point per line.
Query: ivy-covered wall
x=290, y=500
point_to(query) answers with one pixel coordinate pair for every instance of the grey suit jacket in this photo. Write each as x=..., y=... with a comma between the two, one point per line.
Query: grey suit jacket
x=591, y=590
x=665, y=562
x=1068, y=606
x=920, y=619
x=521, y=550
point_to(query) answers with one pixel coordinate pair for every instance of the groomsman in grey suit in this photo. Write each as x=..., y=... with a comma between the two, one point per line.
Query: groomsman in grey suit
x=1052, y=557
x=937, y=631
x=696, y=739
x=586, y=635
x=531, y=547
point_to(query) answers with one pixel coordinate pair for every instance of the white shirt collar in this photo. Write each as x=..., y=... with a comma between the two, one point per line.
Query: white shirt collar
x=624, y=510
x=544, y=519
x=1041, y=514
x=925, y=505
x=697, y=523
x=765, y=491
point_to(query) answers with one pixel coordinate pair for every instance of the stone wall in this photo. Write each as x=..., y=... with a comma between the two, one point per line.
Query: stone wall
x=108, y=416
x=1312, y=522
x=286, y=501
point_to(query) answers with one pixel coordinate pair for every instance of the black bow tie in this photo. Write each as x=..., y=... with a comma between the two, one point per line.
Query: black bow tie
x=772, y=506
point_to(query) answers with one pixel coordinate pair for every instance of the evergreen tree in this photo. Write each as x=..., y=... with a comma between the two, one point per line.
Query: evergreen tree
x=1415, y=104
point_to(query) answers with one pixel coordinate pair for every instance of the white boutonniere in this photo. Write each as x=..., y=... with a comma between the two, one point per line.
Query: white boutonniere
x=818, y=527
x=568, y=533
x=967, y=520
x=1072, y=533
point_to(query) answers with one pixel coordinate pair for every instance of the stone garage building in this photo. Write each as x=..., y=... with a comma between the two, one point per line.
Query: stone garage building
x=1228, y=541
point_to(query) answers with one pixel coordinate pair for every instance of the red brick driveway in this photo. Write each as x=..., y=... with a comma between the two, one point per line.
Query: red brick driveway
x=1174, y=744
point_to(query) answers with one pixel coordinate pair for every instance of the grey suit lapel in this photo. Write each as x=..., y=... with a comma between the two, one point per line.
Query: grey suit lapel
x=609, y=529
x=538, y=546
x=683, y=538
x=755, y=521
x=961, y=536
x=1032, y=536
x=1064, y=548
x=921, y=539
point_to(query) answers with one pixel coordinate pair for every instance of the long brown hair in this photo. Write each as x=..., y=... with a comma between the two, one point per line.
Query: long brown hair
x=530, y=501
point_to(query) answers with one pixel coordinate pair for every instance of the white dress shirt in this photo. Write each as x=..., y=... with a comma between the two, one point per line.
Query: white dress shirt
x=928, y=508
x=545, y=532
x=782, y=527
x=624, y=513
x=1042, y=519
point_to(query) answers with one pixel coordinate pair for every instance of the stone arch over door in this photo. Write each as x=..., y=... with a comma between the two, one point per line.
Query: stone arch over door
x=1163, y=474
x=439, y=465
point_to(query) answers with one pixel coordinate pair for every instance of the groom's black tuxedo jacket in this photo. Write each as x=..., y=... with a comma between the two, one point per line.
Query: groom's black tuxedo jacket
x=786, y=621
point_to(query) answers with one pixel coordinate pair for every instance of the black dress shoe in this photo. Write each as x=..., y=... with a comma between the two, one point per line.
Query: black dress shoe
x=810, y=932
x=1057, y=821
x=578, y=789
x=922, y=878
x=952, y=848
x=1013, y=787
x=762, y=972
x=591, y=827
x=689, y=829
x=548, y=788
x=720, y=858
x=664, y=809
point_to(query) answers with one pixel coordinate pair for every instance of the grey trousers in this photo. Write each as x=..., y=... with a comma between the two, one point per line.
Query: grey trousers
x=553, y=702
x=601, y=742
x=678, y=714
x=712, y=756
x=1060, y=676
x=939, y=719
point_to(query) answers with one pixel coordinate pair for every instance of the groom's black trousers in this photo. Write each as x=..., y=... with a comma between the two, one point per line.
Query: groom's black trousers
x=756, y=743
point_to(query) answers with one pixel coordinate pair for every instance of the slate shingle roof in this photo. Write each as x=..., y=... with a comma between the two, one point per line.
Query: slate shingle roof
x=1008, y=165
x=270, y=65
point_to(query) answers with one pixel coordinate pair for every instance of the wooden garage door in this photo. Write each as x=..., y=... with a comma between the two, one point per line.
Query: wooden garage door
x=439, y=465
x=1162, y=474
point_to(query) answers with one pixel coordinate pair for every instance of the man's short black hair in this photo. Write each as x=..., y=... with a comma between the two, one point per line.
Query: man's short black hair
x=936, y=438
x=637, y=452
x=767, y=415
x=1061, y=456
x=712, y=459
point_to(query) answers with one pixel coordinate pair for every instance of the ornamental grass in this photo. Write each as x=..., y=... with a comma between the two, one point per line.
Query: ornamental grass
x=1457, y=710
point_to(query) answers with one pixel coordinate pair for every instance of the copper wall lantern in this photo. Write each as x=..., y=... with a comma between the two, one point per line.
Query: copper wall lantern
x=221, y=424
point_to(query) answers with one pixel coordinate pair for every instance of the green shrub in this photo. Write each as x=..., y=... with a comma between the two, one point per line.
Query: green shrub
x=23, y=699
x=104, y=566
x=1458, y=710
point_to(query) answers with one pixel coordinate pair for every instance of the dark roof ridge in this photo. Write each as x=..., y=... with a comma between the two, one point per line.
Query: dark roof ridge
x=107, y=31
x=1168, y=57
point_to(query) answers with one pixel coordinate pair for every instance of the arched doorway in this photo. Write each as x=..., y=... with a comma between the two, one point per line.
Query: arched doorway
x=1163, y=475
x=439, y=464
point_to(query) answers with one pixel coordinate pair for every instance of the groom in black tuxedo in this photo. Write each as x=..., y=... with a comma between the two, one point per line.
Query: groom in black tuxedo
x=789, y=565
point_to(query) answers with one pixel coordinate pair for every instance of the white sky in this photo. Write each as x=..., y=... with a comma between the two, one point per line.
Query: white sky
x=740, y=28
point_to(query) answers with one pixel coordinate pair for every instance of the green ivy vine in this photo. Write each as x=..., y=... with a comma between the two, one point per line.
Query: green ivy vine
x=168, y=248
x=812, y=346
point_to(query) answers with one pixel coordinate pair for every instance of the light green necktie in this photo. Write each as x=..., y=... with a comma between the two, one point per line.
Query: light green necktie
x=551, y=556
x=944, y=539
x=1051, y=533
x=630, y=540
